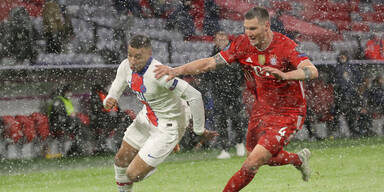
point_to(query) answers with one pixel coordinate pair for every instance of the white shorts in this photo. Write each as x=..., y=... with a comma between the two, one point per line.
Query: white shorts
x=155, y=143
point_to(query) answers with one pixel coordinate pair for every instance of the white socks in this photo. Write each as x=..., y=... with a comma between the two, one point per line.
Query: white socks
x=122, y=181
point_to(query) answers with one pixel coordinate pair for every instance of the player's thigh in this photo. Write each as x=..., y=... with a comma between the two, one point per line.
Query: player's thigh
x=273, y=132
x=138, y=169
x=161, y=142
x=257, y=157
x=125, y=154
x=138, y=132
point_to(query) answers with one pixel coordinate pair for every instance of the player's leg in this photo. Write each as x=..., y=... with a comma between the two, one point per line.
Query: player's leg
x=123, y=158
x=284, y=158
x=239, y=125
x=134, y=138
x=156, y=148
x=258, y=157
x=221, y=126
x=138, y=169
x=290, y=124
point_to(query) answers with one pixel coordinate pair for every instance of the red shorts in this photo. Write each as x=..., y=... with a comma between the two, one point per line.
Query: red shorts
x=273, y=131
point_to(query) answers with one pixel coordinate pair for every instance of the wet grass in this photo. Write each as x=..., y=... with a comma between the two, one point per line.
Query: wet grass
x=338, y=165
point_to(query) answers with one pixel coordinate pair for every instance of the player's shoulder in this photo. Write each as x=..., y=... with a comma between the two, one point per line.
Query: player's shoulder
x=283, y=40
x=152, y=65
x=150, y=72
x=241, y=42
x=124, y=64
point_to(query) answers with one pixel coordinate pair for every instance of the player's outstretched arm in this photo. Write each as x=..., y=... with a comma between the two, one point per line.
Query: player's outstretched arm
x=305, y=70
x=194, y=67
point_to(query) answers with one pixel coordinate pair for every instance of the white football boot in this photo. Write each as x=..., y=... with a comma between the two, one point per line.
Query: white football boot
x=240, y=149
x=304, y=156
x=224, y=155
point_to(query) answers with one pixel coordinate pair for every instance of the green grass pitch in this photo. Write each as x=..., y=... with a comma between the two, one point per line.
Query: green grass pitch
x=342, y=165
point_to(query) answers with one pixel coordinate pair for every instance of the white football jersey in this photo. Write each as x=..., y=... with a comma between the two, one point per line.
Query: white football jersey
x=161, y=99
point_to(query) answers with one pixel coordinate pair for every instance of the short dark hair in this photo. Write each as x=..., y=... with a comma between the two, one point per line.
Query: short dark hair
x=257, y=12
x=140, y=41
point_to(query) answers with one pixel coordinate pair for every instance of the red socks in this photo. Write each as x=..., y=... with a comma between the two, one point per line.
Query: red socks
x=242, y=177
x=284, y=158
x=239, y=180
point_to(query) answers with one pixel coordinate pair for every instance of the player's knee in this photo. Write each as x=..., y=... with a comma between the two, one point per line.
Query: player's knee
x=251, y=166
x=134, y=177
x=119, y=161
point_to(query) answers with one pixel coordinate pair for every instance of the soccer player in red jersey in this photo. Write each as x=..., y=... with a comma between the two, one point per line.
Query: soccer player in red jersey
x=271, y=60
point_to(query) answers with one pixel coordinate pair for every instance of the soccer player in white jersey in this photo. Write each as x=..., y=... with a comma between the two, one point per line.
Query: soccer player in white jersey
x=161, y=123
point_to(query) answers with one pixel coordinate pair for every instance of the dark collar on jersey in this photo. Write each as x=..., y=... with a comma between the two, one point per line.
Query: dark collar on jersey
x=141, y=73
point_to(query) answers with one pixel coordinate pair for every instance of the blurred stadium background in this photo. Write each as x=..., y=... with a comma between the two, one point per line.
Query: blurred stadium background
x=322, y=28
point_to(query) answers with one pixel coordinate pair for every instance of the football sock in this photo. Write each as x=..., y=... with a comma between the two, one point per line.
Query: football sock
x=284, y=158
x=239, y=180
x=122, y=181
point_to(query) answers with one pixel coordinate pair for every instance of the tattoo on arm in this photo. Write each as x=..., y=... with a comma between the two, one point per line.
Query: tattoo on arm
x=219, y=60
x=307, y=72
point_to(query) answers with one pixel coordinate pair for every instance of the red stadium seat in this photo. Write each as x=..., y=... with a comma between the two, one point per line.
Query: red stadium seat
x=360, y=27
x=28, y=127
x=12, y=128
x=281, y=5
x=379, y=8
x=343, y=25
x=377, y=17
x=339, y=16
x=41, y=125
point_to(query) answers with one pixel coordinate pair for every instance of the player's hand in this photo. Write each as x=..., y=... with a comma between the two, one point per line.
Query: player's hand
x=208, y=135
x=162, y=70
x=273, y=71
x=110, y=103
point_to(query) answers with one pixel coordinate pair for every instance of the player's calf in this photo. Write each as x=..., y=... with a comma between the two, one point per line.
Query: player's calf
x=122, y=181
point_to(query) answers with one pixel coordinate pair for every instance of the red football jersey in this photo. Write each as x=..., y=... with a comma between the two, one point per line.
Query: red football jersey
x=272, y=95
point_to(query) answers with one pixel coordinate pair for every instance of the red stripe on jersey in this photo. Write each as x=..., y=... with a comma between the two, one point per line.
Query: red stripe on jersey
x=150, y=114
x=137, y=84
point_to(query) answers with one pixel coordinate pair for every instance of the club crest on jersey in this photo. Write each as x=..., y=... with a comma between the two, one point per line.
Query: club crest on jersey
x=143, y=89
x=273, y=60
x=261, y=59
x=249, y=60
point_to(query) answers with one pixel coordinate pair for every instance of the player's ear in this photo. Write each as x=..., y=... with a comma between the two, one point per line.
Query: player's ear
x=267, y=25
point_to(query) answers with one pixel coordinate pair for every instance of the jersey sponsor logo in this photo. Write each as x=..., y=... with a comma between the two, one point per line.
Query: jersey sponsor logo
x=249, y=60
x=261, y=59
x=173, y=86
x=273, y=60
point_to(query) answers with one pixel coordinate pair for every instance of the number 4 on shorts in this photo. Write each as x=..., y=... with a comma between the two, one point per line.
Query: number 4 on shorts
x=282, y=131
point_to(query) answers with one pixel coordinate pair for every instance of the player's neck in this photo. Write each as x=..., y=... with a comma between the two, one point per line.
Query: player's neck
x=265, y=44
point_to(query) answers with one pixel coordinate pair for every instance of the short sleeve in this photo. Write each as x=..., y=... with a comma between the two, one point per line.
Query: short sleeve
x=236, y=50
x=177, y=85
x=295, y=57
